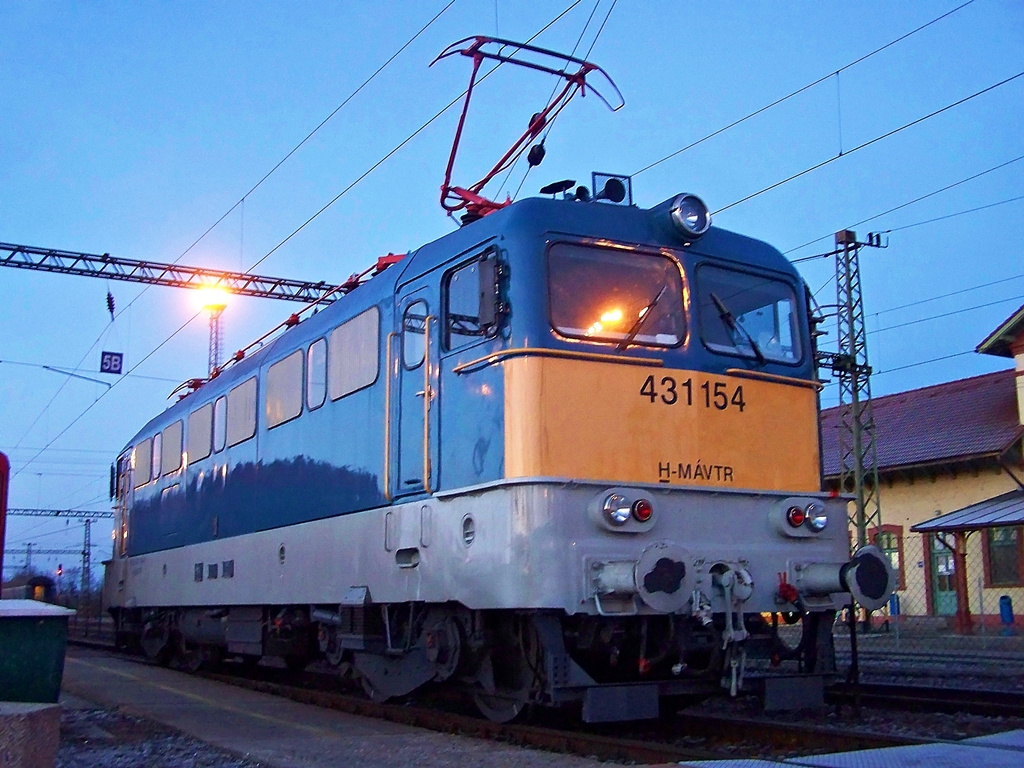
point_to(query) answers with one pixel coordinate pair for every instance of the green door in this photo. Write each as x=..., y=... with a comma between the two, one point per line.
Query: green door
x=943, y=581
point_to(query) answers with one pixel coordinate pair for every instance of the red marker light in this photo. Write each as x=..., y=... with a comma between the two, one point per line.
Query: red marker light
x=795, y=517
x=642, y=510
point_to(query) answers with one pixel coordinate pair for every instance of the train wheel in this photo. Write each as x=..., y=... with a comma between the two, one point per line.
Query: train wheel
x=500, y=708
x=156, y=641
x=513, y=661
x=192, y=657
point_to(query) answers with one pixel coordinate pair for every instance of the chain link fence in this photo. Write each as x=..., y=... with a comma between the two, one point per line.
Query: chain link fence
x=954, y=619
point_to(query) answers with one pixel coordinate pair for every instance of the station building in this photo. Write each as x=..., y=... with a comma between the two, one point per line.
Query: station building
x=950, y=461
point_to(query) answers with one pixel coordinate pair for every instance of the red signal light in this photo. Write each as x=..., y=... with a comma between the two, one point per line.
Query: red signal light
x=642, y=510
x=795, y=516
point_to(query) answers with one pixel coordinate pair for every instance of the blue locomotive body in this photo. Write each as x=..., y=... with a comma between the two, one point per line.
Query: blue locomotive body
x=565, y=434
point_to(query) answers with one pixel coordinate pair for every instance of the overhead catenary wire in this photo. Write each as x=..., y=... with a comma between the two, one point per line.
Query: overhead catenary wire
x=308, y=136
x=882, y=372
x=102, y=395
x=401, y=144
x=336, y=198
x=932, y=220
x=959, y=310
x=62, y=369
x=870, y=142
x=590, y=50
x=252, y=189
x=24, y=536
x=903, y=205
x=924, y=362
x=63, y=384
x=947, y=295
x=953, y=215
x=579, y=40
x=798, y=91
x=918, y=224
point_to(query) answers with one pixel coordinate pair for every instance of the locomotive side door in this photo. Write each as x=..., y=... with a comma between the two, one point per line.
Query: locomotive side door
x=123, y=501
x=414, y=457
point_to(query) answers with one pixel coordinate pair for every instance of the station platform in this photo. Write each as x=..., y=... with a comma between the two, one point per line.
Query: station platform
x=260, y=729
x=1000, y=750
x=276, y=732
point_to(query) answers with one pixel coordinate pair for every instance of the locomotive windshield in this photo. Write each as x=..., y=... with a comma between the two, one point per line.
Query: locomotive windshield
x=748, y=315
x=617, y=296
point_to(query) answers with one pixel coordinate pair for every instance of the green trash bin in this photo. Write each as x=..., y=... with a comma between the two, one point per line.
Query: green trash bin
x=33, y=639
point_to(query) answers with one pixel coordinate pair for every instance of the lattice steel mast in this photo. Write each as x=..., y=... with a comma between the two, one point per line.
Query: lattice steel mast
x=858, y=459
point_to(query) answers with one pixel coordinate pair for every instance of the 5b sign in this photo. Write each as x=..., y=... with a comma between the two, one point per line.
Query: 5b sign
x=111, y=362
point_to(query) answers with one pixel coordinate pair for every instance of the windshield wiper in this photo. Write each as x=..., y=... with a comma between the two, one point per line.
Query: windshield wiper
x=644, y=314
x=734, y=325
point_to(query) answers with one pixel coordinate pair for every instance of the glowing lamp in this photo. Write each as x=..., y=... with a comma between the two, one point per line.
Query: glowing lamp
x=212, y=298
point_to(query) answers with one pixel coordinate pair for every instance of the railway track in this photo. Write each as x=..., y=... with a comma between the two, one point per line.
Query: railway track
x=920, y=698
x=678, y=736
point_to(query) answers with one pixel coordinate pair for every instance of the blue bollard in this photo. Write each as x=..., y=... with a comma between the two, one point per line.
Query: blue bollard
x=894, y=604
x=1006, y=614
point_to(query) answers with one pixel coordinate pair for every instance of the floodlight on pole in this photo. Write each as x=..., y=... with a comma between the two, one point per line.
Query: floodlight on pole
x=214, y=301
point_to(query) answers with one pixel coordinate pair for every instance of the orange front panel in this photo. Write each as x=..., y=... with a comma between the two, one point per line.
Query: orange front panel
x=638, y=424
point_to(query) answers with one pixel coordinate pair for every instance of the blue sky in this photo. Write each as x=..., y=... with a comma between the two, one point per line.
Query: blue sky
x=130, y=128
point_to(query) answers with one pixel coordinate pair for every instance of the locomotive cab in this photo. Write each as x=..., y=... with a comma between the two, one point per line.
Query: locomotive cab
x=661, y=444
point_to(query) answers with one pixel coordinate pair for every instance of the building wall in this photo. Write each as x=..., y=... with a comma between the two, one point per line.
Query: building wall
x=906, y=502
x=1019, y=365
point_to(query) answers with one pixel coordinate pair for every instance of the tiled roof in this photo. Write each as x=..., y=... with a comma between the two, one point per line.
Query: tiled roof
x=947, y=422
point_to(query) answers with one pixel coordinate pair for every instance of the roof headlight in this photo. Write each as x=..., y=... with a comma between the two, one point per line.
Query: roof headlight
x=690, y=216
x=816, y=518
x=617, y=509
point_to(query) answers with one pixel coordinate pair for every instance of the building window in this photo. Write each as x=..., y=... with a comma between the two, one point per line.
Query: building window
x=172, y=448
x=242, y=412
x=316, y=374
x=284, y=389
x=890, y=540
x=200, y=434
x=353, y=354
x=1003, y=557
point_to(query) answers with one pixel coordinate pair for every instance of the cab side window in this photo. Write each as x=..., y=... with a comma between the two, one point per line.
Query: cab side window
x=462, y=306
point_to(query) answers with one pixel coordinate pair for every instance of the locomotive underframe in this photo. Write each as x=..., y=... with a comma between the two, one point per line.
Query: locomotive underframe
x=514, y=589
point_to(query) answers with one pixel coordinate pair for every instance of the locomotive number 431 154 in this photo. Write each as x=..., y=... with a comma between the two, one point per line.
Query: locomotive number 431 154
x=669, y=390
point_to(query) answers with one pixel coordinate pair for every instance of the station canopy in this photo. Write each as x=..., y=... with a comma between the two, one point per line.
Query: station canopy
x=998, y=512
